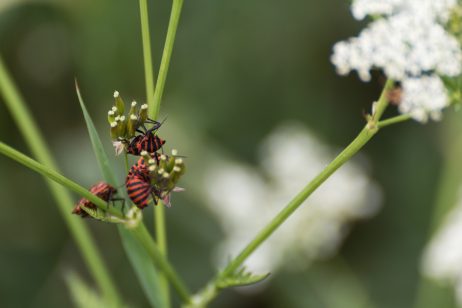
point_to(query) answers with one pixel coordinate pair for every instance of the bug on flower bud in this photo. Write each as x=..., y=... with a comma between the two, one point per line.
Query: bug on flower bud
x=147, y=141
x=138, y=184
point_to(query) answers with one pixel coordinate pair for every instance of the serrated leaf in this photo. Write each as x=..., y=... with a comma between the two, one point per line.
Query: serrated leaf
x=83, y=295
x=138, y=256
x=240, y=278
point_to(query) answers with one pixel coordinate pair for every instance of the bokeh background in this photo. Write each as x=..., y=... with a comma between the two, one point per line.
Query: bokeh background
x=239, y=69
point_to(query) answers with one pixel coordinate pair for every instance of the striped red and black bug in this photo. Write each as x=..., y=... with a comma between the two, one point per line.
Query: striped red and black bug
x=102, y=190
x=148, y=142
x=139, y=186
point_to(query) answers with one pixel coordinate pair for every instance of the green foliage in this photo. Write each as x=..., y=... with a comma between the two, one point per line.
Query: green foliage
x=242, y=277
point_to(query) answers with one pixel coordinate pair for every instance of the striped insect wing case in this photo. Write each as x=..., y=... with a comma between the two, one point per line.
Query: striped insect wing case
x=138, y=184
x=102, y=190
x=148, y=142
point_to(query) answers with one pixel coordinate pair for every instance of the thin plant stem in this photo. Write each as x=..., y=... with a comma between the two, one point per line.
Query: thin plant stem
x=161, y=237
x=370, y=129
x=150, y=90
x=394, y=120
x=166, y=56
x=154, y=109
x=147, y=55
x=37, y=145
x=143, y=236
x=49, y=173
x=364, y=136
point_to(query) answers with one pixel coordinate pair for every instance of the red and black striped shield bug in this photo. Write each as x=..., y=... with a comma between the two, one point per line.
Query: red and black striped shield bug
x=138, y=184
x=102, y=190
x=154, y=175
x=147, y=141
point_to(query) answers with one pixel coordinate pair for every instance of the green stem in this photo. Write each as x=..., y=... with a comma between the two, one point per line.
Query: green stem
x=49, y=173
x=364, y=136
x=371, y=128
x=150, y=93
x=147, y=55
x=161, y=236
x=154, y=109
x=166, y=56
x=394, y=120
x=143, y=236
x=380, y=106
x=30, y=132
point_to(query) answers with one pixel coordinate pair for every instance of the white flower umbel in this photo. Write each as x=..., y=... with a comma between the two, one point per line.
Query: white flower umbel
x=407, y=41
x=423, y=97
x=442, y=259
x=244, y=199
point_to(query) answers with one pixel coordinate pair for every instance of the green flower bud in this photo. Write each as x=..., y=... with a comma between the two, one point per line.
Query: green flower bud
x=122, y=124
x=132, y=126
x=133, y=109
x=114, y=131
x=119, y=103
x=143, y=113
x=180, y=164
x=110, y=116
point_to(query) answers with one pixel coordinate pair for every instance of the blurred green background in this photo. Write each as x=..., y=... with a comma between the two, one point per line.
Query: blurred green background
x=238, y=69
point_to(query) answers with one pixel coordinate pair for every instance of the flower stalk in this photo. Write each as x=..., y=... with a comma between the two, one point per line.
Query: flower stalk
x=369, y=131
x=154, y=97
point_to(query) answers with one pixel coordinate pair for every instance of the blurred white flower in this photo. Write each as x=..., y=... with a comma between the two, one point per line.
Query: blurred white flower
x=423, y=97
x=244, y=199
x=442, y=259
x=407, y=42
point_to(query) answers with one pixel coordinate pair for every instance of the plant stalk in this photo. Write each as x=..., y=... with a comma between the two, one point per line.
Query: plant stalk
x=159, y=215
x=370, y=129
x=143, y=236
x=363, y=137
x=166, y=56
x=154, y=107
x=49, y=173
x=394, y=120
x=147, y=54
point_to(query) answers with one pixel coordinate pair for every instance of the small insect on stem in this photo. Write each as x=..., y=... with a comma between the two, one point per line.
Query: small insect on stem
x=102, y=190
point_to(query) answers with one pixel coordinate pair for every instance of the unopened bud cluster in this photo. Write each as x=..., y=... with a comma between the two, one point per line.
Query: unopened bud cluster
x=125, y=126
x=164, y=171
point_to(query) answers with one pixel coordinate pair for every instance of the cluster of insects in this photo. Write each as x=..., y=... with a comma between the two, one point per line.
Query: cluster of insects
x=153, y=176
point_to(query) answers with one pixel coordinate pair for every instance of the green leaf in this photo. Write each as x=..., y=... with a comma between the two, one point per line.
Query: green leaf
x=240, y=278
x=83, y=295
x=101, y=156
x=138, y=256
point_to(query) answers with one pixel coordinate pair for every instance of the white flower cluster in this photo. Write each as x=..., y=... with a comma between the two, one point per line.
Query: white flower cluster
x=408, y=41
x=442, y=259
x=244, y=200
